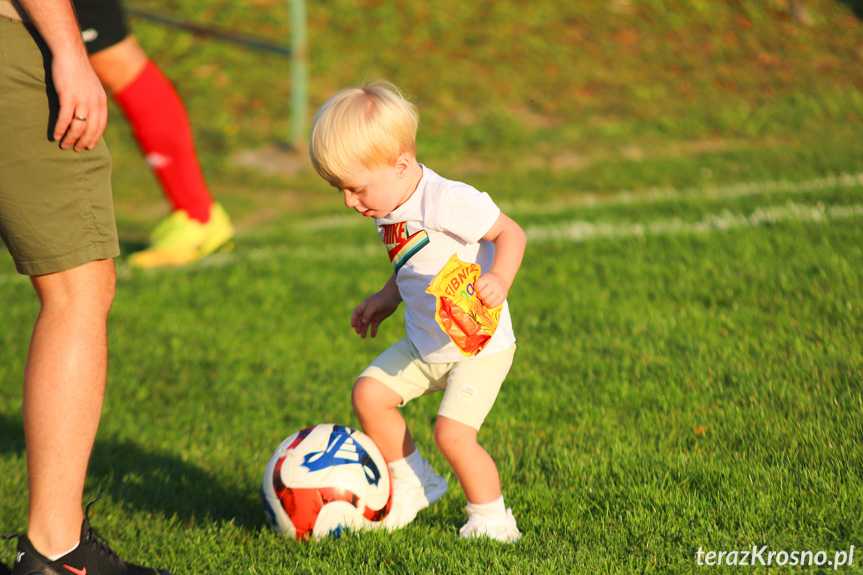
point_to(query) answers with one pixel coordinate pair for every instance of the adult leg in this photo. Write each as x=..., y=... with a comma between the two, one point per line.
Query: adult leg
x=159, y=121
x=64, y=386
x=118, y=65
x=198, y=225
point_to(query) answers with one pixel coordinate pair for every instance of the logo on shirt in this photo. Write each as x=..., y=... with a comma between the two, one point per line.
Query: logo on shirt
x=402, y=245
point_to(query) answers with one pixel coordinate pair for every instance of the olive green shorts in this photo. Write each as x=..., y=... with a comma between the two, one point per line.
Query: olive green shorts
x=56, y=208
x=470, y=387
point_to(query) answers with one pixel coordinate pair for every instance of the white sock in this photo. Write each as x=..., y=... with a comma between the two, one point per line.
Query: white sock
x=411, y=466
x=55, y=557
x=417, y=463
x=496, y=508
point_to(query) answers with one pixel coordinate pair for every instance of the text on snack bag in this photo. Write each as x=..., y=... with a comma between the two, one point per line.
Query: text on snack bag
x=460, y=285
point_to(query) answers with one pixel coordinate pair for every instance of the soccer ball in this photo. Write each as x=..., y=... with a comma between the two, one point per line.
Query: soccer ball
x=324, y=479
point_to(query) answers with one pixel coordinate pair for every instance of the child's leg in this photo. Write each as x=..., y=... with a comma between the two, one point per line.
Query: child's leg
x=477, y=473
x=472, y=388
x=394, y=378
x=474, y=467
x=376, y=406
x=415, y=484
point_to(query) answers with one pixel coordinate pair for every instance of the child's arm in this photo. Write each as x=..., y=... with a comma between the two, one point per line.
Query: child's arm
x=509, y=241
x=376, y=308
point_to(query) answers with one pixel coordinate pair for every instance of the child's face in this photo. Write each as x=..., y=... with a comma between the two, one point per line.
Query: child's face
x=376, y=192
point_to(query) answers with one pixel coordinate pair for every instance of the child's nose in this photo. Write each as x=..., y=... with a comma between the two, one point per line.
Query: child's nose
x=350, y=199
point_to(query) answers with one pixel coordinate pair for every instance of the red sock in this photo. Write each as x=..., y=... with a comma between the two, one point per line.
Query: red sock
x=161, y=126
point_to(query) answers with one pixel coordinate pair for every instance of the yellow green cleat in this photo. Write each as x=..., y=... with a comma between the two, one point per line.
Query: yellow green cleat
x=179, y=239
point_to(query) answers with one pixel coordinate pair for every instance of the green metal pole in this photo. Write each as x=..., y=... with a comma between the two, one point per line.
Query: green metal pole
x=299, y=74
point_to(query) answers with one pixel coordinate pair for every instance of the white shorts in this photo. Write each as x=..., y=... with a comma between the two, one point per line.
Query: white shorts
x=470, y=386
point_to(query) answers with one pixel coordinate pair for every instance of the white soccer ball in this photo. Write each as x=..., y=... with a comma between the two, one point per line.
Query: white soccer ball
x=324, y=479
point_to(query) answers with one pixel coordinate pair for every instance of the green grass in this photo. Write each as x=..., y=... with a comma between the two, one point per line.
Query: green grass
x=689, y=367
x=672, y=391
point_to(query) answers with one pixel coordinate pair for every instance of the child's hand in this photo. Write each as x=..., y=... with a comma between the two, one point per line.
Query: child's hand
x=491, y=290
x=372, y=312
x=509, y=242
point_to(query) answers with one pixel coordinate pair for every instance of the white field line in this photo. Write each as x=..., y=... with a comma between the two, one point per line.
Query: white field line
x=576, y=231
x=742, y=189
x=625, y=197
x=582, y=231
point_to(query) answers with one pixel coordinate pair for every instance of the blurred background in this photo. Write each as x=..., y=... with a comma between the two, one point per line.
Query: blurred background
x=533, y=100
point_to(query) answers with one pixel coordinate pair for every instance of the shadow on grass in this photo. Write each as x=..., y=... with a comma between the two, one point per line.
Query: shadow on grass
x=11, y=435
x=146, y=479
x=856, y=7
x=129, y=247
x=150, y=480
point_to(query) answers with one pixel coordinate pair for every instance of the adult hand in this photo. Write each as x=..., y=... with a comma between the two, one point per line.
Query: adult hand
x=83, y=102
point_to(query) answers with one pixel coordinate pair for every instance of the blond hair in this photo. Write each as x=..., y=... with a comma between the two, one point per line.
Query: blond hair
x=373, y=125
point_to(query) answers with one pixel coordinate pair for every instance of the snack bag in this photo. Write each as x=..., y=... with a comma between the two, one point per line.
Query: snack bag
x=459, y=312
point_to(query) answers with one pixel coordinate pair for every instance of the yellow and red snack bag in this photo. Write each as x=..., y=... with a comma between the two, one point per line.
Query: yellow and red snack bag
x=459, y=312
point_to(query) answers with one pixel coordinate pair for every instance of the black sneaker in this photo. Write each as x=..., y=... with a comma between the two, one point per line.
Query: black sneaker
x=91, y=557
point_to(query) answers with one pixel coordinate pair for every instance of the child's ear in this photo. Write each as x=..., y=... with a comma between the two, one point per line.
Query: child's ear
x=403, y=163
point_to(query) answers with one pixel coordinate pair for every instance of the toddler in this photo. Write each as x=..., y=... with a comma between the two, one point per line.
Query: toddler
x=363, y=142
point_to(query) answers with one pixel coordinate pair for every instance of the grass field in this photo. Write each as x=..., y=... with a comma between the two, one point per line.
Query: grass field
x=690, y=367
